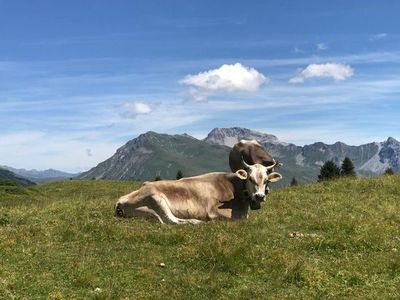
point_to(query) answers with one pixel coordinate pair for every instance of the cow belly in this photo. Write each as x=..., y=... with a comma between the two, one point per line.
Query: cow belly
x=189, y=210
x=199, y=201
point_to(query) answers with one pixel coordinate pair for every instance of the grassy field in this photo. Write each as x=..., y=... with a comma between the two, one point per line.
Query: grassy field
x=61, y=241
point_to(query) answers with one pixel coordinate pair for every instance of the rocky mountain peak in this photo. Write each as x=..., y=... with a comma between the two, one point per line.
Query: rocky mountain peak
x=230, y=136
x=389, y=153
x=187, y=135
x=392, y=142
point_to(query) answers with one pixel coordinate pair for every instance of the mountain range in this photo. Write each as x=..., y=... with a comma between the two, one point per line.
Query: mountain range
x=40, y=176
x=153, y=154
x=6, y=175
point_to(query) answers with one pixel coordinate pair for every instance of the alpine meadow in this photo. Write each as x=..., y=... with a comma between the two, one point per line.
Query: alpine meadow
x=335, y=239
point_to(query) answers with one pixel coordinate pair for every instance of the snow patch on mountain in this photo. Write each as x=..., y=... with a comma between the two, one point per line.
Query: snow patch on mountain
x=300, y=159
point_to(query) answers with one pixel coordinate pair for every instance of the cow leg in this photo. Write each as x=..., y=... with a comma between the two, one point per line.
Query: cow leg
x=146, y=212
x=162, y=208
x=132, y=205
x=156, y=205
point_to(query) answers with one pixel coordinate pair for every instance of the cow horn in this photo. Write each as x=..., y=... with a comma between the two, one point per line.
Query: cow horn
x=247, y=166
x=271, y=166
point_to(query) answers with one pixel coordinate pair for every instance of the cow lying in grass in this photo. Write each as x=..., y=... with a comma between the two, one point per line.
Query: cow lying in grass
x=200, y=198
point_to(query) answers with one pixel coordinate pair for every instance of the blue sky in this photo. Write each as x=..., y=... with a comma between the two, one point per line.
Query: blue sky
x=80, y=78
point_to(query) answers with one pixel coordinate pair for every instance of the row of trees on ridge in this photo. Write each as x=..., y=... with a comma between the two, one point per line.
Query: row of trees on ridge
x=329, y=170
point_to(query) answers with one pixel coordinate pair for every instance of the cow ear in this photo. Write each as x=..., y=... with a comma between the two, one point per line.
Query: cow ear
x=242, y=174
x=274, y=177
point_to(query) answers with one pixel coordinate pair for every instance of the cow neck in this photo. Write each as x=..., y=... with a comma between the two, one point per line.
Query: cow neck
x=245, y=191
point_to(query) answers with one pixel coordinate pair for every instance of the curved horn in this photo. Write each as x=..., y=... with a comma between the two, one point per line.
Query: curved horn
x=271, y=166
x=247, y=166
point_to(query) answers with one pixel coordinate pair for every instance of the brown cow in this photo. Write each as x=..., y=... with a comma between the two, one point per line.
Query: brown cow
x=200, y=198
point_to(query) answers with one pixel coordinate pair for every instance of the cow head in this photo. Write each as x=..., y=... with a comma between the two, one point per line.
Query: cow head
x=257, y=179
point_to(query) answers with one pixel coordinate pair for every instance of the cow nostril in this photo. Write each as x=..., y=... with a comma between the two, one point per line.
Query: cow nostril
x=260, y=197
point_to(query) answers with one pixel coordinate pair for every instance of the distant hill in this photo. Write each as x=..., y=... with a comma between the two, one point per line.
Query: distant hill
x=6, y=175
x=153, y=154
x=41, y=176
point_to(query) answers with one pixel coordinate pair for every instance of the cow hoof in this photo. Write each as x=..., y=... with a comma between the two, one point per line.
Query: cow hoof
x=194, y=221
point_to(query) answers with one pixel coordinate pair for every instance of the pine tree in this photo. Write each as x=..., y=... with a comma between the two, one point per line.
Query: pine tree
x=389, y=171
x=347, y=168
x=179, y=174
x=329, y=171
x=294, y=182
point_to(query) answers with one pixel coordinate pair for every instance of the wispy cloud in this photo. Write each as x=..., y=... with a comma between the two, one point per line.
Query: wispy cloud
x=195, y=22
x=378, y=36
x=227, y=78
x=367, y=58
x=333, y=70
x=68, y=151
x=321, y=46
x=20, y=138
x=298, y=50
x=134, y=109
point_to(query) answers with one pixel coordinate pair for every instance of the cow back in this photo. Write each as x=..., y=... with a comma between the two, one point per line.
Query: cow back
x=251, y=152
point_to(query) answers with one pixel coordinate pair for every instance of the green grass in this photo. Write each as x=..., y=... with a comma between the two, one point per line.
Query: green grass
x=61, y=241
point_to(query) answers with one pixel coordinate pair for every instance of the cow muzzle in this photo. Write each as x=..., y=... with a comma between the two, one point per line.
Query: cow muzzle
x=256, y=200
x=259, y=197
x=119, y=212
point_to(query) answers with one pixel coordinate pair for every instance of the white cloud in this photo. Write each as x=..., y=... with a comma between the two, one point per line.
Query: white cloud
x=378, y=36
x=297, y=50
x=334, y=70
x=321, y=46
x=132, y=110
x=227, y=78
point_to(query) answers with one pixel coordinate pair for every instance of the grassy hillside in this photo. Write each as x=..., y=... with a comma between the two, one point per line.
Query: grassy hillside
x=7, y=178
x=61, y=241
x=153, y=154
